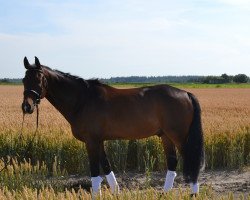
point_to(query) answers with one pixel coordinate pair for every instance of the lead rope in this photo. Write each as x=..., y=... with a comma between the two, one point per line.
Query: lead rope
x=21, y=132
x=34, y=134
x=6, y=163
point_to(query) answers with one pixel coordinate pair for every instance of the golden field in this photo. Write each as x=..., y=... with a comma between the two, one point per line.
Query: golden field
x=55, y=153
x=223, y=110
x=225, y=117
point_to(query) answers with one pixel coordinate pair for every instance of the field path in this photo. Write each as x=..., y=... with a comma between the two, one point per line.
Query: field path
x=222, y=182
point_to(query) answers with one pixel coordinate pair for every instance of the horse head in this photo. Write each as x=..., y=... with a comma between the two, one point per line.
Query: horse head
x=35, y=85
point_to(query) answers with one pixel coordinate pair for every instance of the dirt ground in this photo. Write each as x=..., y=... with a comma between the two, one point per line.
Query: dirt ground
x=222, y=182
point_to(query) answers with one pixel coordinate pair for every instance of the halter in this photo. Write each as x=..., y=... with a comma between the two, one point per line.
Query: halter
x=37, y=95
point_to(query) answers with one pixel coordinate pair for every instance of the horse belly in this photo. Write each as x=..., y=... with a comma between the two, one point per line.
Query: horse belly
x=133, y=127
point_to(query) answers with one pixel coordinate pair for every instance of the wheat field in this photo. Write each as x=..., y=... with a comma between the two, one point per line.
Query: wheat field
x=223, y=110
x=226, y=123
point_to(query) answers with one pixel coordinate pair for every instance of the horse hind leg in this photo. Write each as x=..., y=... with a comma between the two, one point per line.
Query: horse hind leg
x=171, y=158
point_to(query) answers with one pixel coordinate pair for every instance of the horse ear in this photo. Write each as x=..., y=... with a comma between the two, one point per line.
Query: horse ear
x=26, y=63
x=37, y=62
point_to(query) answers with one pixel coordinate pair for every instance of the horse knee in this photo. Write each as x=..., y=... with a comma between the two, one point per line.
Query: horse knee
x=172, y=163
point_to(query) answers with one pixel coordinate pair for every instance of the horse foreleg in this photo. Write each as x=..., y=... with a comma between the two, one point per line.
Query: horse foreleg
x=108, y=173
x=171, y=158
x=93, y=149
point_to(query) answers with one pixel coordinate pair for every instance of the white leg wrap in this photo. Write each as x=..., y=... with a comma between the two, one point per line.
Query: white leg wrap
x=194, y=188
x=96, y=185
x=169, y=182
x=113, y=183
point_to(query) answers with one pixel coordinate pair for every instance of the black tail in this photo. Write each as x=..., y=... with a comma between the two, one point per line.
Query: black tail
x=193, y=152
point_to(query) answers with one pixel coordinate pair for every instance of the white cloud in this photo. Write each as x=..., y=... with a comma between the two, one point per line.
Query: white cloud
x=243, y=4
x=236, y=2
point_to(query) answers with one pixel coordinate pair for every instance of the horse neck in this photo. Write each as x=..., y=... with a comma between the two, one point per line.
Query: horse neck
x=63, y=94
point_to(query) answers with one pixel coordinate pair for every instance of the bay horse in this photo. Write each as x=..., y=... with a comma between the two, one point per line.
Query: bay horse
x=97, y=112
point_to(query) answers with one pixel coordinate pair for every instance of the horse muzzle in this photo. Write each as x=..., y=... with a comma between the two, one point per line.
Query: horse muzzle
x=28, y=108
x=31, y=100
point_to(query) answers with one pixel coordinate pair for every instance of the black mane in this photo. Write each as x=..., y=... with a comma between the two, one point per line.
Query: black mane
x=89, y=82
x=68, y=75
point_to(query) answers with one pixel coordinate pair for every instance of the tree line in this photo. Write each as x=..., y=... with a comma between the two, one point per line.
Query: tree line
x=224, y=78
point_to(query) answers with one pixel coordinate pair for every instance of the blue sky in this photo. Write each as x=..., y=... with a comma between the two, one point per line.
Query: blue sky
x=101, y=39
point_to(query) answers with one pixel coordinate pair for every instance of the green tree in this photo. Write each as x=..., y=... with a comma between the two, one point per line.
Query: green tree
x=227, y=79
x=4, y=80
x=240, y=78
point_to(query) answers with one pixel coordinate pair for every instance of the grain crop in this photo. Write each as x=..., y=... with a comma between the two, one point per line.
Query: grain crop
x=226, y=123
x=223, y=110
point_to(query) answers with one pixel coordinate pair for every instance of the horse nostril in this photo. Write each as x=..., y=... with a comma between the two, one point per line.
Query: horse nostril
x=26, y=107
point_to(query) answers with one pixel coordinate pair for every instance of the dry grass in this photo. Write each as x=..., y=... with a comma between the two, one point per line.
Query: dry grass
x=11, y=114
x=224, y=110
x=226, y=122
x=149, y=194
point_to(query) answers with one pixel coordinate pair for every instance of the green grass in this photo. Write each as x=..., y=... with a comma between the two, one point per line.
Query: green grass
x=184, y=85
x=178, y=85
x=222, y=151
x=11, y=83
x=200, y=85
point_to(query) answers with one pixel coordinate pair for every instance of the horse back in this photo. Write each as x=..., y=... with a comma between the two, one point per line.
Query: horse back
x=136, y=113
